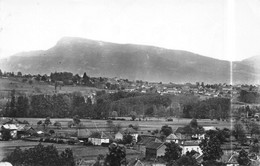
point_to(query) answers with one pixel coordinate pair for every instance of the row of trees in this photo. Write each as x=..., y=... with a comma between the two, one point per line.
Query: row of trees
x=57, y=105
x=117, y=104
x=212, y=108
x=249, y=96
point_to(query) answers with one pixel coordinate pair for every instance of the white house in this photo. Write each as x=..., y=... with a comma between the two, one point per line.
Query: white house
x=188, y=146
x=98, y=139
x=119, y=136
x=172, y=138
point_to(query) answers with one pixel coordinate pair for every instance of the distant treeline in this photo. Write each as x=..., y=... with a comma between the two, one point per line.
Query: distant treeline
x=249, y=96
x=104, y=105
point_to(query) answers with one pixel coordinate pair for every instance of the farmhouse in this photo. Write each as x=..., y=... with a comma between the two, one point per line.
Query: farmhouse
x=141, y=145
x=172, y=138
x=188, y=146
x=98, y=139
x=11, y=128
x=155, y=150
x=118, y=136
x=132, y=132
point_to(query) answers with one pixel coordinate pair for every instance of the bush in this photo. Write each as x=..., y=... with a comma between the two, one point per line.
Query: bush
x=88, y=143
x=60, y=141
x=51, y=132
x=47, y=140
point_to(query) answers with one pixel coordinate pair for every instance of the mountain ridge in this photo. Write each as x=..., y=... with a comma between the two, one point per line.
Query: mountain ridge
x=151, y=63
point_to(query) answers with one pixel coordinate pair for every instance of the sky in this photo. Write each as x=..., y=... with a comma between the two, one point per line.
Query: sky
x=222, y=29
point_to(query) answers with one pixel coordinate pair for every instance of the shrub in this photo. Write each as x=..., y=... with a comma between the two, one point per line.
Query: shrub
x=60, y=141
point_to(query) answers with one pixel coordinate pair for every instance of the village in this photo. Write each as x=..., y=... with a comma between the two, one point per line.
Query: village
x=149, y=146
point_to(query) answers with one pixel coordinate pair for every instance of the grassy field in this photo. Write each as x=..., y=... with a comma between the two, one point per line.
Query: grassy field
x=79, y=151
x=8, y=84
x=149, y=124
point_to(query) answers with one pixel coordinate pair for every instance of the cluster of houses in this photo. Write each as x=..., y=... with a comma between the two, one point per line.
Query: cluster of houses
x=151, y=147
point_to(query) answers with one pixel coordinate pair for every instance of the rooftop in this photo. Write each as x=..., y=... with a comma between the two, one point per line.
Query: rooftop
x=154, y=145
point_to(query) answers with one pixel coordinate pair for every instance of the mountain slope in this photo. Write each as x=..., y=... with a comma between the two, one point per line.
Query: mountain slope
x=130, y=61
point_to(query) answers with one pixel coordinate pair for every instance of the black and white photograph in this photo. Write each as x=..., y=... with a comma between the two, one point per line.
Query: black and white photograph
x=129, y=82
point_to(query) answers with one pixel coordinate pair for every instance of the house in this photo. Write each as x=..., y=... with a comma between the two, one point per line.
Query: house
x=136, y=163
x=155, y=150
x=172, y=138
x=118, y=136
x=188, y=146
x=230, y=159
x=141, y=145
x=10, y=128
x=98, y=139
x=132, y=132
x=25, y=130
x=188, y=136
x=207, y=128
x=229, y=148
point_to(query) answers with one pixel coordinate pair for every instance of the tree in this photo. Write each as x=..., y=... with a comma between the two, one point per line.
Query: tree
x=76, y=120
x=127, y=139
x=6, y=135
x=211, y=149
x=19, y=73
x=110, y=125
x=194, y=123
x=39, y=122
x=115, y=156
x=133, y=115
x=57, y=124
x=172, y=152
x=117, y=127
x=239, y=133
x=85, y=78
x=243, y=158
x=166, y=130
x=40, y=155
x=187, y=160
x=47, y=122
x=253, y=128
x=255, y=147
x=22, y=106
x=12, y=104
x=114, y=114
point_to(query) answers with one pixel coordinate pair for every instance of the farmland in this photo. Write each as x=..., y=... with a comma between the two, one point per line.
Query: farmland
x=91, y=152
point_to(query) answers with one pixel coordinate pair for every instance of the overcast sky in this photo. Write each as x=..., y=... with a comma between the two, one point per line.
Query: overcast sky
x=223, y=29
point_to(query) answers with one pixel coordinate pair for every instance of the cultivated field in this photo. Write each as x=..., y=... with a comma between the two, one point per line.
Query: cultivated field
x=145, y=125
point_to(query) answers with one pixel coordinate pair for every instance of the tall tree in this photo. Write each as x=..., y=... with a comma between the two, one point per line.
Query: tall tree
x=239, y=132
x=22, y=106
x=211, y=149
x=166, y=130
x=243, y=158
x=115, y=156
x=85, y=78
x=172, y=152
x=13, y=104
